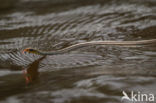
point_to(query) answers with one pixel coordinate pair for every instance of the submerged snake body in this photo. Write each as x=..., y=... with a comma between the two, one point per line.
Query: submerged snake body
x=79, y=45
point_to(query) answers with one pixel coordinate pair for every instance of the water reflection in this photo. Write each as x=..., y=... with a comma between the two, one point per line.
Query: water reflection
x=32, y=73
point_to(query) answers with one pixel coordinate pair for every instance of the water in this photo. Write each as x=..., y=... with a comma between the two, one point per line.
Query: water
x=87, y=75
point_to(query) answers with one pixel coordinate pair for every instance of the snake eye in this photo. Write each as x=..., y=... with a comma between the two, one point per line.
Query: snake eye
x=31, y=50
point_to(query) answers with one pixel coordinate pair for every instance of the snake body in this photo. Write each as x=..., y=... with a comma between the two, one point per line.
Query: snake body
x=91, y=43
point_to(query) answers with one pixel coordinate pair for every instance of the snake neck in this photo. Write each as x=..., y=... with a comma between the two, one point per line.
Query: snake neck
x=48, y=53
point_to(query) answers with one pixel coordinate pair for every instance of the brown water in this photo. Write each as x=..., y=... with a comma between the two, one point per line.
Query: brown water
x=88, y=75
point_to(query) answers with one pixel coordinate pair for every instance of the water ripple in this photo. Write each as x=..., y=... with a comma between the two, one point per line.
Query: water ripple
x=56, y=30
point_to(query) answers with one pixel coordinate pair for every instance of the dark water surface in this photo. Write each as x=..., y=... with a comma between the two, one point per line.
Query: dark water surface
x=88, y=75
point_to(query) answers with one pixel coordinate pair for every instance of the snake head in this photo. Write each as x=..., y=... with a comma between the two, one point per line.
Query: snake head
x=30, y=50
